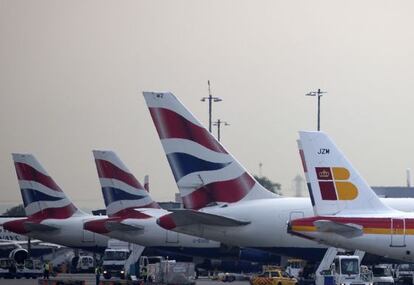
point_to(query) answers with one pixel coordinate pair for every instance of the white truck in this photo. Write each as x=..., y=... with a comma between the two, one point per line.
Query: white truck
x=382, y=275
x=120, y=259
x=114, y=261
x=345, y=270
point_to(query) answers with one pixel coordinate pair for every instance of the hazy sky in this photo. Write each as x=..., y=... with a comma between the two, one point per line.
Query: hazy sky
x=72, y=73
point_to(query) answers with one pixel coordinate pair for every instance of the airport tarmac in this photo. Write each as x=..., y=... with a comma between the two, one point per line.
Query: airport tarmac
x=90, y=280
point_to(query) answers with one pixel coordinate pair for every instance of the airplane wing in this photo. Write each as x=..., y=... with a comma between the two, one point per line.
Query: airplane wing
x=119, y=226
x=183, y=218
x=4, y=243
x=346, y=230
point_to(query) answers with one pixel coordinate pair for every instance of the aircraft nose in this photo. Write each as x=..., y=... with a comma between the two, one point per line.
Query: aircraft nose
x=97, y=226
x=166, y=222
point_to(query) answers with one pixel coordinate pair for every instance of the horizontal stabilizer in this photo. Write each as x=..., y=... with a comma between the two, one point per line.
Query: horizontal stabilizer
x=36, y=227
x=182, y=218
x=346, y=230
x=118, y=226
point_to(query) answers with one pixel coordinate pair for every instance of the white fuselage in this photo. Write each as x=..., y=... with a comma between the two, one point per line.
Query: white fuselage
x=70, y=233
x=390, y=235
x=268, y=224
x=152, y=235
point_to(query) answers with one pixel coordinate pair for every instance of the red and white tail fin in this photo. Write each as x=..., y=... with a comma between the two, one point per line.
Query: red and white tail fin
x=335, y=186
x=121, y=190
x=205, y=172
x=42, y=197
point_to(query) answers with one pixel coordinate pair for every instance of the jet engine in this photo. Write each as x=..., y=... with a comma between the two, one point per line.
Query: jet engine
x=19, y=255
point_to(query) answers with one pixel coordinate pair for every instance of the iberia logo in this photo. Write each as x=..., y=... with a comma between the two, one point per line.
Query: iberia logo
x=334, y=185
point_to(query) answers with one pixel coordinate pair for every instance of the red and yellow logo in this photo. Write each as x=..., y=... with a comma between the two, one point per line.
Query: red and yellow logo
x=334, y=185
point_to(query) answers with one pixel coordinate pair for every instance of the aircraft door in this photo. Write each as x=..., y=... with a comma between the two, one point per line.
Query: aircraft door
x=397, y=233
x=171, y=237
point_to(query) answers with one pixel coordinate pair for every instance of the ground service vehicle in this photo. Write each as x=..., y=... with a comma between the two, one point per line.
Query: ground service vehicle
x=160, y=270
x=404, y=273
x=30, y=268
x=295, y=266
x=230, y=277
x=382, y=275
x=85, y=264
x=345, y=270
x=273, y=275
x=114, y=261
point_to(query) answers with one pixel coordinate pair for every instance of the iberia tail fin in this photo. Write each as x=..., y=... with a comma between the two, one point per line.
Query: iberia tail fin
x=335, y=186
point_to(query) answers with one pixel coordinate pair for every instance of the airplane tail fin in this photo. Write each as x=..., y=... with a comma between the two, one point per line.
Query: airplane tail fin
x=205, y=172
x=334, y=184
x=42, y=197
x=120, y=189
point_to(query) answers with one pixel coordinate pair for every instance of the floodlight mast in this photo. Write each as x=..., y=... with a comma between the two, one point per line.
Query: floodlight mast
x=218, y=123
x=319, y=94
x=210, y=99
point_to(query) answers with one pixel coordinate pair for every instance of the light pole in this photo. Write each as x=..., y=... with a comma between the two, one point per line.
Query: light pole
x=319, y=94
x=218, y=124
x=210, y=99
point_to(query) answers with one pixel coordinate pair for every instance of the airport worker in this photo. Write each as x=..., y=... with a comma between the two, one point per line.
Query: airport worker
x=97, y=274
x=46, y=270
x=144, y=273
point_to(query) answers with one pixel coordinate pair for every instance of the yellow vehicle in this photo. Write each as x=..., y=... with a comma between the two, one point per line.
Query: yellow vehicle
x=273, y=276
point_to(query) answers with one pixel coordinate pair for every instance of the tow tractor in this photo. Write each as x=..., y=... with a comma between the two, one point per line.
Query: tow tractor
x=344, y=270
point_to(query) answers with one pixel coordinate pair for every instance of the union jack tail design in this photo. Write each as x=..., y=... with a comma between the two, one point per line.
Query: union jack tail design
x=204, y=171
x=42, y=197
x=121, y=190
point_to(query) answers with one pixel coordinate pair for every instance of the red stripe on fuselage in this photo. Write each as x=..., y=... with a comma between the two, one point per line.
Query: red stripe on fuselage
x=365, y=222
